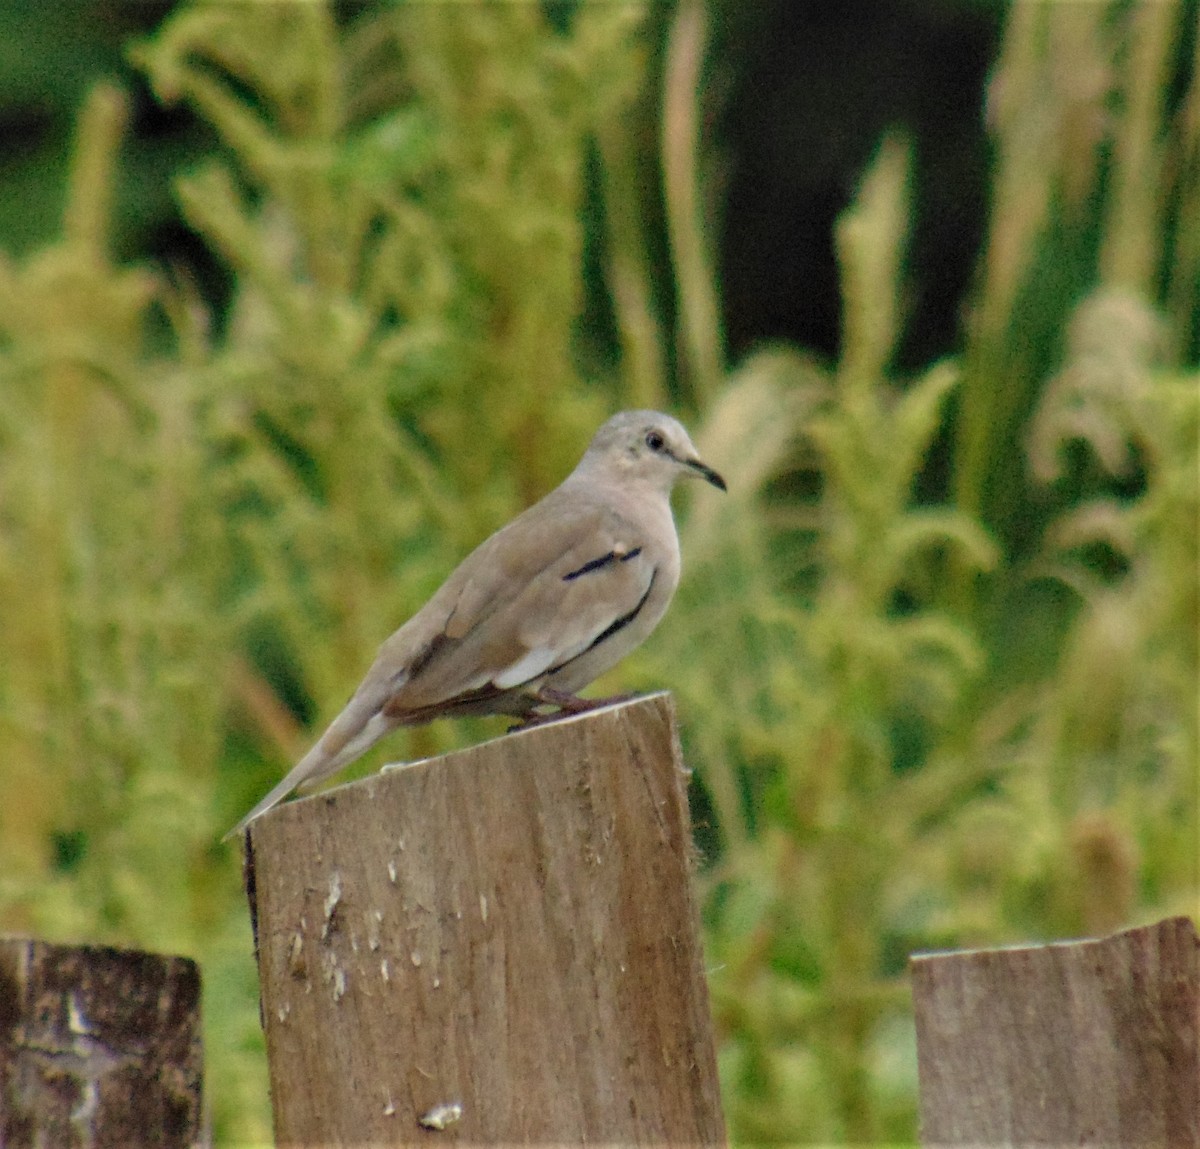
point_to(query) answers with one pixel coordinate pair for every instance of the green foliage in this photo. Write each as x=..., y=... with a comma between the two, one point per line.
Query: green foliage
x=189, y=542
x=796, y=742
x=116, y=646
x=919, y=738
x=408, y=277
x=913, y=725
x=1103, y=774
x=1093, y=110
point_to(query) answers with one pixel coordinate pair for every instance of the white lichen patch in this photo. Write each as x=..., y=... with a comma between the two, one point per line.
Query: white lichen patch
x=373, y=924
x=441, y=1116
x=331, y=903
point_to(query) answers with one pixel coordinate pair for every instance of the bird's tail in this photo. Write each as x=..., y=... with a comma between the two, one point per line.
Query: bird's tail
x=351, y=734
x=274, y=797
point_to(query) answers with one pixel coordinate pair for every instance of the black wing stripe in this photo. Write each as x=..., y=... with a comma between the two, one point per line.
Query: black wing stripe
x=592, y=565
x=612, y=628
x=602, y=561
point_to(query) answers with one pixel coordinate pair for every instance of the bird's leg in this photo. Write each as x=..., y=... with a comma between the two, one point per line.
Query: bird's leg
x=567, y=704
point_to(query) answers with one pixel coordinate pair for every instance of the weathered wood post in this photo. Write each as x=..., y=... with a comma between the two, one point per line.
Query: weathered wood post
x=99, y=1047
x=500, y=944
x=1080, y=1043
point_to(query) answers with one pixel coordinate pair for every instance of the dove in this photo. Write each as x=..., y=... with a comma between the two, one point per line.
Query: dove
x=538, y=610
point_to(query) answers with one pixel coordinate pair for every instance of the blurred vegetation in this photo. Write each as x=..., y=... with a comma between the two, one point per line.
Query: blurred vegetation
x=932, y=721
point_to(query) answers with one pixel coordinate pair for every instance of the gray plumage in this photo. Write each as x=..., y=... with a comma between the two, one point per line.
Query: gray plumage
x=537, y=611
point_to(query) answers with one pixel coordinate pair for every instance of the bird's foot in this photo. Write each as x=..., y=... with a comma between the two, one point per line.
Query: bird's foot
x=567, y=704
x=572, y=704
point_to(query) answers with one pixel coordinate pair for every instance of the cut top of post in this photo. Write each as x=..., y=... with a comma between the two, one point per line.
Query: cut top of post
x=1077, y=1043
x=503, y=940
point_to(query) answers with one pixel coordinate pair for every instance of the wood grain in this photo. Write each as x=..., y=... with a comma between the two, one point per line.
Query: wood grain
x=503, y=940
x=99, y=1047
x=1080, y=1043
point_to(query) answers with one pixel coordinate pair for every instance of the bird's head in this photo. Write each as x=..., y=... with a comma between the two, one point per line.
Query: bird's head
x=648, y=447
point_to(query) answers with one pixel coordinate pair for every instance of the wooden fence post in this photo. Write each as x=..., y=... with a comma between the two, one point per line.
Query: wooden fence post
x=98, y=1047
x=1080, y=1043
x=500, y=944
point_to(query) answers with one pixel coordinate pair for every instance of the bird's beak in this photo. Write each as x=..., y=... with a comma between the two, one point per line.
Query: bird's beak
x=706, y=472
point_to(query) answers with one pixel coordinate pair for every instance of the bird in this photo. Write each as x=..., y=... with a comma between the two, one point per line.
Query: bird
x=538, y=610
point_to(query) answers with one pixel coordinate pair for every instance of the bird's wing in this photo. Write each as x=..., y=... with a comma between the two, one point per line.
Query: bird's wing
x=530, y=599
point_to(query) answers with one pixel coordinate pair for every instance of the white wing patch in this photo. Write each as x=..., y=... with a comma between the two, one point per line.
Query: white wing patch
x=528, y=666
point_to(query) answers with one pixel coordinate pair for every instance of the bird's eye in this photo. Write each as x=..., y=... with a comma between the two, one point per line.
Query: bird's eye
x=654, y=441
